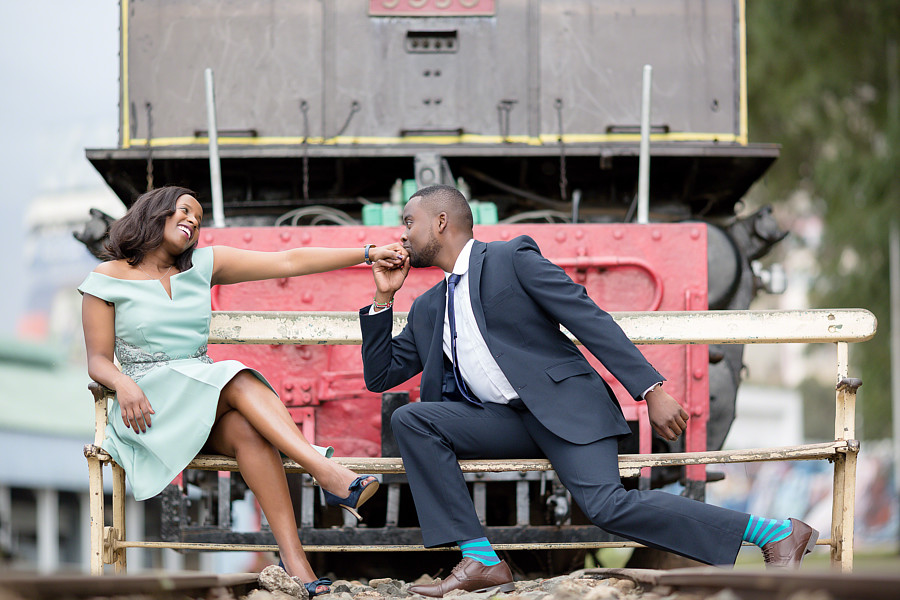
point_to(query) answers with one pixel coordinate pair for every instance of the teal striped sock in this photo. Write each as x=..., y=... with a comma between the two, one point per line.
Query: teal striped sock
x=479, y=549
x=762, y=531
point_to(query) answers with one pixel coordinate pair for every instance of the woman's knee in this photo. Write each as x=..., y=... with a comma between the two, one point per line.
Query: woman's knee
x=239, y=433
x=244, y=384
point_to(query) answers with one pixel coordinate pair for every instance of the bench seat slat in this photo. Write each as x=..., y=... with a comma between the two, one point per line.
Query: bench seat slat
x=543, y=546
x=629, y=464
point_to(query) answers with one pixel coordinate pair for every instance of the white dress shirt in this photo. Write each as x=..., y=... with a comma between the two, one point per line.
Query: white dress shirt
x=476, y=363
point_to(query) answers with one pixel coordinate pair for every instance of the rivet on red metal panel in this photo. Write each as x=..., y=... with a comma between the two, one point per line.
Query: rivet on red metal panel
x=208, y=238
x=560, y=236
x=699, y=374
x=504, y=235
x=656, y=234
x=695, y=234
x=306, y=297
x=618, y=234
x=305, y=237
x=285, y=236
x=248, y=237
x=283, y=281
x=581, y=251
x=361, y=235
x=579, y=234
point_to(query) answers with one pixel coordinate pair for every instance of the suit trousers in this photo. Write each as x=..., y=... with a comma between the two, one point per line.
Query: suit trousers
x=432, y=436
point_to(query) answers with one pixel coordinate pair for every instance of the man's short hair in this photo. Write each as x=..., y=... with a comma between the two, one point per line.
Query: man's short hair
x=446, y=198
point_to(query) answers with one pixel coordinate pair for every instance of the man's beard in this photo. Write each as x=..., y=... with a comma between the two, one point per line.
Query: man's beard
x=425, y=257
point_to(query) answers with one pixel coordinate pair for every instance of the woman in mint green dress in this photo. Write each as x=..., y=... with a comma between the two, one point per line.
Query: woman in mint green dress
x=149, y=306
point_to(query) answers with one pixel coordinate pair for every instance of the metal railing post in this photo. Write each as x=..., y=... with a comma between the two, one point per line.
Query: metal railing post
x=215, y=169
x=643, y=206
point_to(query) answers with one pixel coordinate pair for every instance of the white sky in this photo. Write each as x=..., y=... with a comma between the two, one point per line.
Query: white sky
x=58, y=95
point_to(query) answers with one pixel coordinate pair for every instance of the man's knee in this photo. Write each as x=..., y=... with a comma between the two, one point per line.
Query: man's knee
x=605, y=503
x=400, y=418
x=408, y=419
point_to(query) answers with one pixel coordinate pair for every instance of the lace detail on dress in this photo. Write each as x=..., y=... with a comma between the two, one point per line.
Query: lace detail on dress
x=137, y=362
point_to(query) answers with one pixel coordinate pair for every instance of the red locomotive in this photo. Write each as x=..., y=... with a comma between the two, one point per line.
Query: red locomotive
x=328, y=114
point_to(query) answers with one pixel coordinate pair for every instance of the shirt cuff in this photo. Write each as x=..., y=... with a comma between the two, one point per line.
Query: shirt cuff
x=375, y=311
x=650, y=389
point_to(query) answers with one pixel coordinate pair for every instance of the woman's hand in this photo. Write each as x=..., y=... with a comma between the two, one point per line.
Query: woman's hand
x=133, y=403
x=390, y=256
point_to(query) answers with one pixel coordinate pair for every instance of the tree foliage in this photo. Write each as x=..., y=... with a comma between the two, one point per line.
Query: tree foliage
x=823, y=82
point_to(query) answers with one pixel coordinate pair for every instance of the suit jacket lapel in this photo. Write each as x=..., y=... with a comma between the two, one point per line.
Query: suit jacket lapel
x=437, y=341
x=476, y=260
x=433, y=372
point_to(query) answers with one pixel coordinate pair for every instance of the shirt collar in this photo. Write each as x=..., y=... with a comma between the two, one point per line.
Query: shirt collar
x=462, y=261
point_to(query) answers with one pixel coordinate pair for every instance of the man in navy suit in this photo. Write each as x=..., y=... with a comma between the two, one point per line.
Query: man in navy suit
x=499, y=380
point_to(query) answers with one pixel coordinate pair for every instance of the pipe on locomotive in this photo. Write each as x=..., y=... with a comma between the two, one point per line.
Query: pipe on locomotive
x=643, y=207
x=215, y=169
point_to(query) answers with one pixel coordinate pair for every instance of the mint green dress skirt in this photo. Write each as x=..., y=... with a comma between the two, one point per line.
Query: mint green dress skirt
x=161, y=344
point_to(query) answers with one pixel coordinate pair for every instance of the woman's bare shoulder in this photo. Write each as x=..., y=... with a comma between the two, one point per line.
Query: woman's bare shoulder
x=115, y=268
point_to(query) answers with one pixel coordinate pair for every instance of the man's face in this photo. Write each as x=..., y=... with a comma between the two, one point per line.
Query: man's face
x=418, y=236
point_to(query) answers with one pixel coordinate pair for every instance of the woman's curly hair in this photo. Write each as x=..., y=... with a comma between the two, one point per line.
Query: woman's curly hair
x=142, y=228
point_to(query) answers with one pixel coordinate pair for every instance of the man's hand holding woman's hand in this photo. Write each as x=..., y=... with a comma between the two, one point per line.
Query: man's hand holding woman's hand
x=390, y=274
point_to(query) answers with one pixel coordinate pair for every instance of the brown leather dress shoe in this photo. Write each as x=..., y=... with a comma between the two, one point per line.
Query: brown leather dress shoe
x=787, y=553
x=471, y=576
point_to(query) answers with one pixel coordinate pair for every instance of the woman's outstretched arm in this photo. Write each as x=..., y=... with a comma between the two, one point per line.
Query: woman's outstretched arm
x=234, y=265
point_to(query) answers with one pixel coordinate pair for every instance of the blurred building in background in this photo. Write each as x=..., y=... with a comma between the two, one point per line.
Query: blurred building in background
x=47, y=416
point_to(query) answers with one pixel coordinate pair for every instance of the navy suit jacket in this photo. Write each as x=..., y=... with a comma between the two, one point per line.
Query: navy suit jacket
x=519, y=299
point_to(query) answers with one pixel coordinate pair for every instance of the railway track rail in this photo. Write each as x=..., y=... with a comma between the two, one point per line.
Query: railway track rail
x=152, y=585
x=763, y=585
x=677, y=584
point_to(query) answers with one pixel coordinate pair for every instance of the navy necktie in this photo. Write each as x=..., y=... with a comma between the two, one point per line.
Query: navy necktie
x=457, y=374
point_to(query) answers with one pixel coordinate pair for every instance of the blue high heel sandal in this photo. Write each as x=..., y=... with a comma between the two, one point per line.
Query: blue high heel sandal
x=360, y=491
x=312, y=586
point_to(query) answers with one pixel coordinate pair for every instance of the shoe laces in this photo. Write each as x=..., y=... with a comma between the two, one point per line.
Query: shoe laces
x=459, y=567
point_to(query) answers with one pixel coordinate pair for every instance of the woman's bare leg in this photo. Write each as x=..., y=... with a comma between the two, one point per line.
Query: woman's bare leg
x=261, y=407
x=261, y=468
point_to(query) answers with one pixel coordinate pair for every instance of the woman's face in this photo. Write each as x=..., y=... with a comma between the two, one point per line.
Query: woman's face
x=183, y=226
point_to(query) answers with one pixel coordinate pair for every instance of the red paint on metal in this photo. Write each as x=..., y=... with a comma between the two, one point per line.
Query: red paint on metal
x=623, y=268
x=431, y=8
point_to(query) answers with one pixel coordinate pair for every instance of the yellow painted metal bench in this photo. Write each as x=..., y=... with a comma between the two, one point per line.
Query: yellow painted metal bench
x=840, y=327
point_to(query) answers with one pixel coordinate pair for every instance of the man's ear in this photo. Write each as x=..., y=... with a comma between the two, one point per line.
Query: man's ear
x=442, y=222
